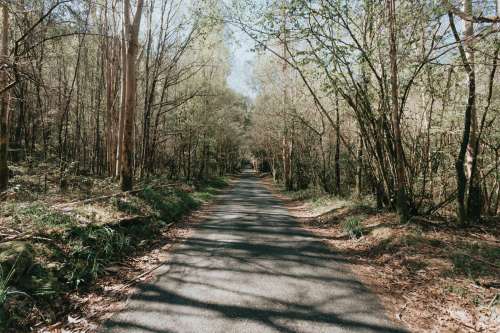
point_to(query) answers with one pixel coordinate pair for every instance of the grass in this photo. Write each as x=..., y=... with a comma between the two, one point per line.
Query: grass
x=326, y=200
x=41, y=216
x=77, y=253
x=90, y=250
x=130, y=205
x=307, y=194
x=353, y=227
x=4, y=293
x=168, y=205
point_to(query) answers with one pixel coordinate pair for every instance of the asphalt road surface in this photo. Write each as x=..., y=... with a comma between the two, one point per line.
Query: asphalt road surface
x=251, y=268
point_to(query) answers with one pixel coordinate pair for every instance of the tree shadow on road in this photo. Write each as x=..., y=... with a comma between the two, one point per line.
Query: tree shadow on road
x=250, y=267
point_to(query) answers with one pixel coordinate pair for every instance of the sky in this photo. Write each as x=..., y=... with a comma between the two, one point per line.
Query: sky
x=242, y=63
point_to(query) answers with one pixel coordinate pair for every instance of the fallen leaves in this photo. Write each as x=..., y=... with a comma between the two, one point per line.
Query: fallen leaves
x=410, y=268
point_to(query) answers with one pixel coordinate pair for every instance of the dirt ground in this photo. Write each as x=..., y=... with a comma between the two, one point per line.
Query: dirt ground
x=428, y=274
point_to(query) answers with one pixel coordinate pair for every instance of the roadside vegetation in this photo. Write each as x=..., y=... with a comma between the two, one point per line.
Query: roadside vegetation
x=429, y=275
x=52, y=247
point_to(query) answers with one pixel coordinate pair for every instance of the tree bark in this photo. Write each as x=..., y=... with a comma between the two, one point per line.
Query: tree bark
x=286, y=144
x=337, y=146
x=462, y=176
x=4, y=102
x=132, y=48
x=401, y=200
x=474, y=198
x=359, y=167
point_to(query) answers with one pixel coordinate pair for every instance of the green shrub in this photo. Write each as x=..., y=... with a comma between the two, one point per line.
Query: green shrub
x=353, y=227
x=92, y=247
x=463, y=264
x=168, y=205
x=311, y=193
x=219, y=182
x=203, y=196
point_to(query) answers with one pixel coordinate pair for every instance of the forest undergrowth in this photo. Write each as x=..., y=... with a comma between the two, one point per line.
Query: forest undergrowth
x=56, y=245
x=429, y=275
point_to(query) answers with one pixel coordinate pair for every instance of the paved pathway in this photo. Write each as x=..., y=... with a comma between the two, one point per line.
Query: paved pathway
x=250, y=268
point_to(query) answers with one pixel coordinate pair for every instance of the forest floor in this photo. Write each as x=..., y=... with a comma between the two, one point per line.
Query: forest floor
x=429, y=274
x=77, y=253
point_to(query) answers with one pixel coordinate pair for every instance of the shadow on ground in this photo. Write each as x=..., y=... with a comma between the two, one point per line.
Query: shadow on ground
x=251, y=268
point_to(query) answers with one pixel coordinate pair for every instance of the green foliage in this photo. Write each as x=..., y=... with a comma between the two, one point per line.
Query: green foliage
x=92, y=247
x=5, y=278
x=4, y=292
x=130, y=205
x=217, y=183
x=16, y=256
x=78, y=253
x=42, y=216
x=168, y=205
x=203, y=196
x=40, y=282
x=322, y=200
x=209, y=188
x=353, y=227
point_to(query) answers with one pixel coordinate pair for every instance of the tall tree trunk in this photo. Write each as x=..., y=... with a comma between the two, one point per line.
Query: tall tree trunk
x=19, y=94
x=464, y=215
x=112, y=48
x=132, y=43
x=286, y=144
x=401, y=200
x=4, y=102
x=474, y=198
x=123, y=97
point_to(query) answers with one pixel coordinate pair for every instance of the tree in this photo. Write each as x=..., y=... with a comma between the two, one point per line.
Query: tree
x=395, y=73
x=131, y=44
x=4, y=99
x=401, y=200
x=469, y=193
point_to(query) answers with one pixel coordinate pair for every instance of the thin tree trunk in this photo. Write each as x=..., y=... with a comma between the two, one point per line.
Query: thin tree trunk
x=337, y=146
x=401, y=200
x=4, y=102
x=463, y=216
x=359, y=167
x=286, y=148
x=123, y=96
